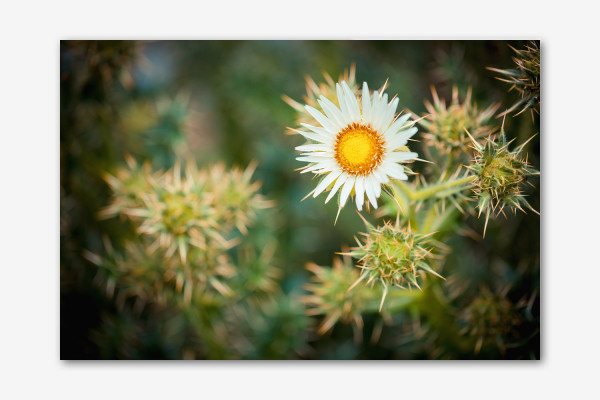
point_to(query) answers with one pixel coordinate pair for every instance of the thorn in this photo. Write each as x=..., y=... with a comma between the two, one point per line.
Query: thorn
x=414, y=121
x=477, y=145
x=487, y=217
x=363, y=218
x=525, y=143
x=418, y=159
x=362, y=276
x=384, y=294
x=308, y=195
x=336, y=217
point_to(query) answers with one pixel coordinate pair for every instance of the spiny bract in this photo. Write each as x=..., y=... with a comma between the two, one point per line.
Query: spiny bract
x=393, y=256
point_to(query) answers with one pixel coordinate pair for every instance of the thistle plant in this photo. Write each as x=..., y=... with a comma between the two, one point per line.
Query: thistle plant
x=525, y=79
x=358, y=147
x=187, y=220
x=167, y=256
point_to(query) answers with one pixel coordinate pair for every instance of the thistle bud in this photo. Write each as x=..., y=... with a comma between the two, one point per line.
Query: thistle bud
x=329, y=295
x=500, y=176
x=525, y=79
x=393, y=256
x=445, y=125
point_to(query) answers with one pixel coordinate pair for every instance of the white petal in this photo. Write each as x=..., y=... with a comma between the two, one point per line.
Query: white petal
x=408, y=133
x=351, y=102
x=374, y=109
x=394, y=143
x=314, y=147
x=376, y=187
x=366, y=102
x=312, y=168
x=323, y=120
x=324, y=165
x=389, y=114
x=320, y=131
x=382, y=178
x=399, y=156
x=400, y=139
x=346, y=190
x=326, y=169
x=359, y=191
x=394, y=170
x=342, y=100
x=334, y=113
x=316, y=137
x=379, y=111
x=340, y=181
x=370, y=189
x=398, y=123
x=326, y=182
x=314, y=158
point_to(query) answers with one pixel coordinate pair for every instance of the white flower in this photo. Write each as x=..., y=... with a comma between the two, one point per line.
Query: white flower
x=356, y=149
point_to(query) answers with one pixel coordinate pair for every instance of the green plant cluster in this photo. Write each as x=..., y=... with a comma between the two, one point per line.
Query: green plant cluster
x=170, y=251
x=470, y=168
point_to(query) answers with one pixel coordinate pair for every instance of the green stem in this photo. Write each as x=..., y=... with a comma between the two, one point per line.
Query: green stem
x=433, y=190
x=396, y=300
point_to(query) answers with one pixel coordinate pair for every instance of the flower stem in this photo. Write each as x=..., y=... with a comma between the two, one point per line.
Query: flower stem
x=396, y=300
x=437, y=189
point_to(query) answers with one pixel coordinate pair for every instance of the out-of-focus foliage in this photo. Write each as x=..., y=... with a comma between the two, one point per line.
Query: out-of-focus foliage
x=155, y=137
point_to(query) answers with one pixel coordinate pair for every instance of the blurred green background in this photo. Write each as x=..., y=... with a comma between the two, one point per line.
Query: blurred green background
x=221, y=101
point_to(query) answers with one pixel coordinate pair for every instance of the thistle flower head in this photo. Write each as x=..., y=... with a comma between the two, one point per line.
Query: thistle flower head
x=393, y=256
x=127, y=185
x=525, y=79
x=329, y=295
x=236, y=196
x=358, y=147
x=445, y=125
x=501, y=174
x=198, y=208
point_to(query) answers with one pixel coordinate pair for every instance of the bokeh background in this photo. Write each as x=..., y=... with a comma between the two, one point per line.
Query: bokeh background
x=214, y=101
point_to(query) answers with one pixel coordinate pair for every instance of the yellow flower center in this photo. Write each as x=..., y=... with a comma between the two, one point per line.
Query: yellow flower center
x=358, y=149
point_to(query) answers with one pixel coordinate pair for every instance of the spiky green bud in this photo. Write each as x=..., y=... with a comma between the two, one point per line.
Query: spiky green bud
x=393, y=256
x=525, y=79
x=445, y=125
x=501, y=174
x=329, y=295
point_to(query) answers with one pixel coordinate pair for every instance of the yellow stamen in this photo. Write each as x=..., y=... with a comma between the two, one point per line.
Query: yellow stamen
x=358, y=149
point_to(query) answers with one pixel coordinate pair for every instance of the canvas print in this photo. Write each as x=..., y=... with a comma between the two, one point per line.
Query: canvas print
x=300, y=200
